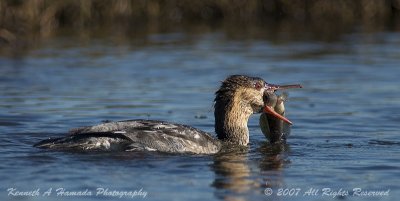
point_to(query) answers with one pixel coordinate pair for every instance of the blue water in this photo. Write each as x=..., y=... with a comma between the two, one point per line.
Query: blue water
x=345, y=133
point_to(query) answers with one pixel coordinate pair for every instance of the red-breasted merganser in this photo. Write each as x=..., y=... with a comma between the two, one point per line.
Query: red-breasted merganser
x=236, y=100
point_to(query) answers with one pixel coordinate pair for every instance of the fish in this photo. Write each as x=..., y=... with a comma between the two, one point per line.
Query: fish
x=275, y=129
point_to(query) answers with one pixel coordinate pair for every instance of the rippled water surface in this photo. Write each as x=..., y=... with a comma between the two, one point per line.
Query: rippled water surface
x=345, y=133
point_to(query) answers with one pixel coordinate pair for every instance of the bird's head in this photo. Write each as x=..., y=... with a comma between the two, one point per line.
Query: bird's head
x=236, y=100
x=248, y=93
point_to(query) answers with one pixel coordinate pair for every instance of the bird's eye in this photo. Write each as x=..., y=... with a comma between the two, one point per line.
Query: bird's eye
x=258, y=85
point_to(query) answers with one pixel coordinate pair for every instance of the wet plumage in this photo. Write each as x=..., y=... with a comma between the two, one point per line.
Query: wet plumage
x=136, y=135
x=236, y=100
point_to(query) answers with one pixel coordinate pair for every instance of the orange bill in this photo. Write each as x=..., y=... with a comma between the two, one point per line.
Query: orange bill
x=290, y=86
x=282, y=87
x=269, y=110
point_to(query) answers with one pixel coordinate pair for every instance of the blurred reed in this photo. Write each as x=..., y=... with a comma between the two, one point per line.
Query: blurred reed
x=22, y=21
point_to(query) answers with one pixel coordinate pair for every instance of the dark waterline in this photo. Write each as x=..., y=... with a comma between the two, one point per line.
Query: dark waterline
x=345, y=132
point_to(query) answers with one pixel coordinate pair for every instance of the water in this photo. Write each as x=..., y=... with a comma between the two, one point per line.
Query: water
x=345, y=133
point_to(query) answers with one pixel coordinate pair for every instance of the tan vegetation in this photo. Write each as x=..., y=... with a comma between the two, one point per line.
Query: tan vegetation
x=31, y=19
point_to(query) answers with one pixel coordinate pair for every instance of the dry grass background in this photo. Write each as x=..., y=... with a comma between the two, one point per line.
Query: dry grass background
x=22, y=21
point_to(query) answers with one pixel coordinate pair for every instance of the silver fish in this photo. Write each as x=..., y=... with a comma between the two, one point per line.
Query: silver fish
x=275, y=129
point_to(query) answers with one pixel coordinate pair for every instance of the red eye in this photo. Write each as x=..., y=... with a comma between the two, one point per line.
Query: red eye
x=257, y=85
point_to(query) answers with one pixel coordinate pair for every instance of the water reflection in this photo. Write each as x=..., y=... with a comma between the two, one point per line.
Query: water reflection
x=234, y=175
x=232, y=171
x=273, y=159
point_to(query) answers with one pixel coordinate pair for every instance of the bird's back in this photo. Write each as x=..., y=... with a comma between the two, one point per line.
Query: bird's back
x=138, y=135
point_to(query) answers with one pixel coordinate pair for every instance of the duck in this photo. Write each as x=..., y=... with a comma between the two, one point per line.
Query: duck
x=238, y=97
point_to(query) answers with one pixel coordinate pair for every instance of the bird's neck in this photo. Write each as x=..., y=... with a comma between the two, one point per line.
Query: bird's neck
x=231, y=119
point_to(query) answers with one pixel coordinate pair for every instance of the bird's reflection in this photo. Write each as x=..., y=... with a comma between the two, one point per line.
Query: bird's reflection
x=273, y=159
x=237, y=170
